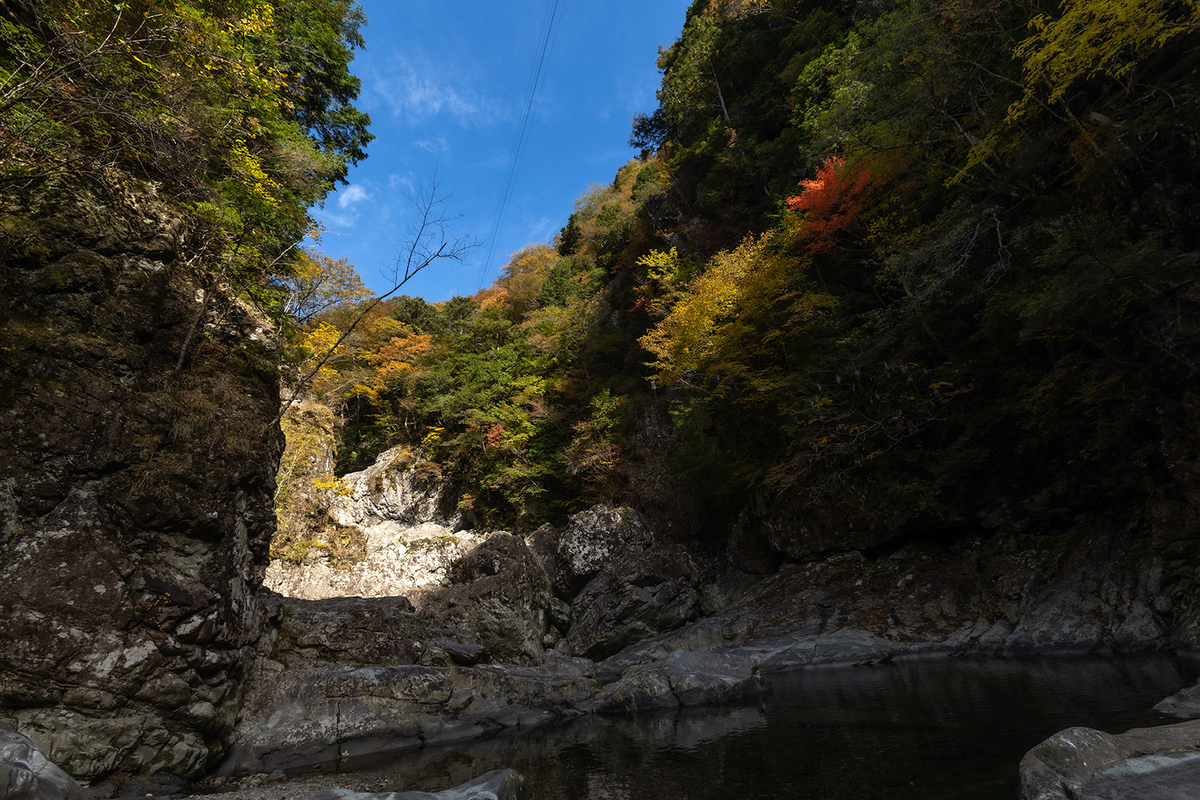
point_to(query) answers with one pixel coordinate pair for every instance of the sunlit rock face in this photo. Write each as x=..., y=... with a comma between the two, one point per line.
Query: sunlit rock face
x=135, y=496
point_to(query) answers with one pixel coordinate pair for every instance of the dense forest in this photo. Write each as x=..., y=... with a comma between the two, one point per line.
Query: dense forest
x=885, y=266
x=888, y=266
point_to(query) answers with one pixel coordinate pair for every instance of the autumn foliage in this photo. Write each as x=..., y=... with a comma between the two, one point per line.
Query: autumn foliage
x=982, y=289
x=831, y=202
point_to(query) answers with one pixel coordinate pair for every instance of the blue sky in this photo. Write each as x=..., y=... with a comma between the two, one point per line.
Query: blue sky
x=445, y=83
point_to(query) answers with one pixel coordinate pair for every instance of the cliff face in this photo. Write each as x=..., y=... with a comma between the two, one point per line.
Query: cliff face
x=135, y=499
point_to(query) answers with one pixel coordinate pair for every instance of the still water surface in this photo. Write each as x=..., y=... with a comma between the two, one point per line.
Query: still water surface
x=927, y=729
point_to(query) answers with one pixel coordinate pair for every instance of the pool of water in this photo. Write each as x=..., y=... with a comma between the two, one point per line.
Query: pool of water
x=928, y=729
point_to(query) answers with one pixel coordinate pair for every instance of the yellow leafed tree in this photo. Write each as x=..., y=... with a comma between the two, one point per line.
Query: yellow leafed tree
x=1089, y=39
x=745, y=298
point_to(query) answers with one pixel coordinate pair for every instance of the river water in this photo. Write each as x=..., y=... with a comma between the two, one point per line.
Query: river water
x=928, y=729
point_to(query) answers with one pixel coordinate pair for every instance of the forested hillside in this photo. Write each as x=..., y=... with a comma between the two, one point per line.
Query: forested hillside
x=888, y=266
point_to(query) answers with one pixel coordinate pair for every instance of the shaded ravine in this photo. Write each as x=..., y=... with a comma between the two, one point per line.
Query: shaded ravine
x=501, y=633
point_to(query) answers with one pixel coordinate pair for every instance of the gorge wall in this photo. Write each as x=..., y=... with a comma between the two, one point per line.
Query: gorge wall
x=135, y=498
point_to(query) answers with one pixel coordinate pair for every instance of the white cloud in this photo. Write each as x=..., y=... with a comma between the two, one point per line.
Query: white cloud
x=418, y=90
x=335, y=221
x=540, y=228
x=438, y=147
x=352, y=195
x=401, y=183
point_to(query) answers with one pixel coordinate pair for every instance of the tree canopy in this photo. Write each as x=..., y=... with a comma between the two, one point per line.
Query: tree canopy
x=240, y=111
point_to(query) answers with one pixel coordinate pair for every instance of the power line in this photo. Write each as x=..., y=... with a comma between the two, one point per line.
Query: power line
x=518, y=147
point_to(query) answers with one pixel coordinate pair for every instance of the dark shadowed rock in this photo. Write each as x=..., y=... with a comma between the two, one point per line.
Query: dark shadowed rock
x=543, y=543
x=748, y=548
x=295, y=719
x=792, y=530
x=26, y=773
x=135, y=498
x=497, y=597
x=636, y=596
x=1093, y=601
x=363, y=632
x=663, y=495
x=1184, y=704
x=349, y=630
x=501, y=784
x=1085, y=764
x=682, y=679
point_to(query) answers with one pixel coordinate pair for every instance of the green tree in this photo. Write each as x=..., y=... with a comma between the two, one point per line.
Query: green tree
x=240, y=111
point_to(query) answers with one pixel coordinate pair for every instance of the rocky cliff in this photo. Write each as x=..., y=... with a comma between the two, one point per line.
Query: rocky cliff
x=135, y=490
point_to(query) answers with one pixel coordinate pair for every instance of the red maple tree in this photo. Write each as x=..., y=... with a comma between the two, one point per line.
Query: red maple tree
x=830, y=202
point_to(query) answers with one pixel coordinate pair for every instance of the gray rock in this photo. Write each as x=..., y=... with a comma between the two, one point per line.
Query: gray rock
x=497, y=597
x=543, y=543
x=593, y=539
x=1184, y=704
x=501, y=784
x=390, y=490
x=632, y=598
x=464, y=654
x=1085, y=764
x=1090, y=603
x=682, y=679
x=295, y=719
x=26, y=773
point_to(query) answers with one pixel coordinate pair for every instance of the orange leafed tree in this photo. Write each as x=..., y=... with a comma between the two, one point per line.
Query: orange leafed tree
x=832, y=201
x=399, y=359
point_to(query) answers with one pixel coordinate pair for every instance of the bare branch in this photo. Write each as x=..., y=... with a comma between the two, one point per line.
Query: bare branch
x=428, y=239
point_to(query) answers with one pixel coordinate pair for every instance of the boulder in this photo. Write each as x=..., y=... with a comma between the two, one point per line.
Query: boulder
x=682, y=679
x=390, y=490
x=1184, y=704
x=593, y=539
x=501, y=784
x=632, y=598
x=26, y=773
x=1084, y=764
x=497, y=597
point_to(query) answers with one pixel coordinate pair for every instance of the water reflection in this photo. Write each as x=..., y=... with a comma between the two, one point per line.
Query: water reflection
x=928, y=729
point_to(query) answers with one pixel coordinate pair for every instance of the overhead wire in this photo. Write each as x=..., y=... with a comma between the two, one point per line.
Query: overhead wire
x=518, y=146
